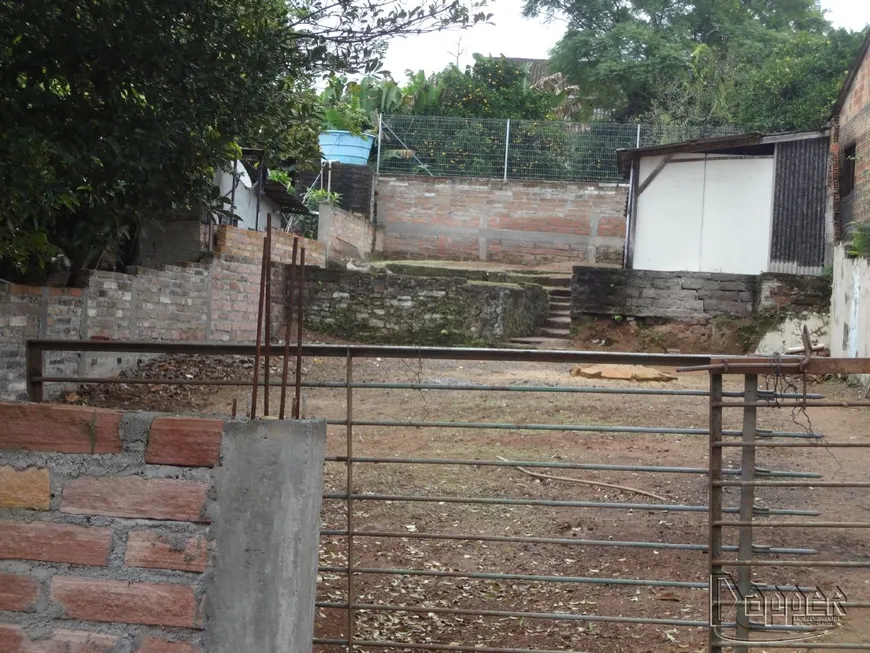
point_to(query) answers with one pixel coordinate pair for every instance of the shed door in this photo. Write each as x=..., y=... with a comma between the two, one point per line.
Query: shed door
x=735, y=233
x=668, y=230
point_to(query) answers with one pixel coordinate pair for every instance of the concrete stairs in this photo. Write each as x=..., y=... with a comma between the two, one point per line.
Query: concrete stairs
x=556, y=333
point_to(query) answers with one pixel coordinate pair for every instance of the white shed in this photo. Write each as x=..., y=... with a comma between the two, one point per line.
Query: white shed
x=739, y=204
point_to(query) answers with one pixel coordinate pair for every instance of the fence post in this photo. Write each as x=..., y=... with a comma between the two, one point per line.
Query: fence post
x=33, y=371
x=380, y=141
x=507, y=146
x=747, y=501
x=637, y=140
x=714, y=643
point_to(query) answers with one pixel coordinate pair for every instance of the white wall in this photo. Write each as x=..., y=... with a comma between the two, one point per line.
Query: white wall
x=850, y=306
x=707, y=213
x=668, y=232
x=246, y=199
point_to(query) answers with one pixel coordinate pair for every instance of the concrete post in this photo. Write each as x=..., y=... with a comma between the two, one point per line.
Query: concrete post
x=266, y=527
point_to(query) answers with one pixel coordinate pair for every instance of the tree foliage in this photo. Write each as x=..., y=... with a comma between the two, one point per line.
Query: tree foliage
x=119, y=111
x=702, y=60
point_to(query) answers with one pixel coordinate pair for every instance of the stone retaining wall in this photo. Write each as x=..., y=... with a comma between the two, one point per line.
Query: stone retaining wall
x=690, y=295
x=398, y=309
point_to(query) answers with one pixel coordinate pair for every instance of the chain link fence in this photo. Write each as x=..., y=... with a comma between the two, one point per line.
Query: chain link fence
x=519, y=149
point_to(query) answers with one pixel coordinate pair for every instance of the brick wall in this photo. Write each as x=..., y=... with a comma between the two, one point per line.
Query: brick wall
x=345, y=235
x=215, y=300
x=103, y=520
x=106, y=535
x=231, y=241
x=854, y=129
x=511, y=222
x=399, y=309
x=691, y=295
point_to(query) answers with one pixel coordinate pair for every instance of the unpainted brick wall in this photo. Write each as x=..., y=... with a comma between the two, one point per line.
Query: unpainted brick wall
x=245, y=243
x=214, y=300
x=691, y=295
x=854, y=129
x=104, y=535
x=346, y=235
x=511, y=222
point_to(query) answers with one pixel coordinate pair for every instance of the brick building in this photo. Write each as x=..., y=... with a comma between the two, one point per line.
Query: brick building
x=849, y=186
x=850, y=143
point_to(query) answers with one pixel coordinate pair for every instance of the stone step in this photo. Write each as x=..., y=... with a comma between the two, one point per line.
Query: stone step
x=540, y=342
x=554, y=291
x=555, y=333
x=542, y=279
x=558, y=322
x=565, y=313
x=559, y=302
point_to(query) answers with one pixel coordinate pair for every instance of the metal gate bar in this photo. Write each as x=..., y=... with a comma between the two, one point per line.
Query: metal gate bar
x=746, y=524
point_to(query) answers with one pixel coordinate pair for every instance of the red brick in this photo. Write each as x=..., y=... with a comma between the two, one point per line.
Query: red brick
x=184, y=441
x=64, y=429
x=158, y=645
x=17, y=592
x=161, y=550
x=47, y=542
x=71, y=641
x=11, y=639
x=135, y=497
x=155, y=604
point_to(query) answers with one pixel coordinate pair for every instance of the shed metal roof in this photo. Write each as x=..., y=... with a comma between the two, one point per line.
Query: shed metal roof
x=625, y=157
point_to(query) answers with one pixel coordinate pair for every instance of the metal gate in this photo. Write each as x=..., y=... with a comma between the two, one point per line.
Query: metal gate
x=475, y=502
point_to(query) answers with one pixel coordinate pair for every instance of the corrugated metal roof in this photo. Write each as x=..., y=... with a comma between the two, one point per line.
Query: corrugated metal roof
x=625, y=157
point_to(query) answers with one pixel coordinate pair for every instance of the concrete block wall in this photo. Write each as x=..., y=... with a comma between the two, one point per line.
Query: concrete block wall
x=173, y=242
x=511, y=222
x=400, y=309
x=111, y=526
x=690, y=295
x=345, y=235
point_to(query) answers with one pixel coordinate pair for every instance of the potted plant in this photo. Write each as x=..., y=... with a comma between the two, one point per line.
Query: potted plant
x=346, y=137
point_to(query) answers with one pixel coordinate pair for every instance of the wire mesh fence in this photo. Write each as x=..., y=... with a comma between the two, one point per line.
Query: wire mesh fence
x=519, y=149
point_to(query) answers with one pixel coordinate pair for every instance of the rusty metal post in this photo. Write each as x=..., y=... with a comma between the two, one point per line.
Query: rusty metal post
x=288, y=332
x=715, y=509
x=34, y=362
x=297, y=404
x=259, y=334
x=350, y=521
x=747, y=503
x=267, y=348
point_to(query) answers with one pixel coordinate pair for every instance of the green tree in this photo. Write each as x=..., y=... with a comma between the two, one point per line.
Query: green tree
x=492, y=88
x=623, y=55
x=115, y=112
x=796, y=87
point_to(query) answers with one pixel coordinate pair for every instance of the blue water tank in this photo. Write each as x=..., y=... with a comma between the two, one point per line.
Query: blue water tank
x=344, y=147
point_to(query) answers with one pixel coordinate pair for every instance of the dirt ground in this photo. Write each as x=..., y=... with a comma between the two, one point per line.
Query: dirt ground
x=577, y=557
